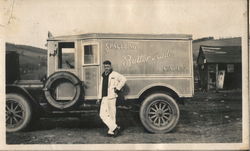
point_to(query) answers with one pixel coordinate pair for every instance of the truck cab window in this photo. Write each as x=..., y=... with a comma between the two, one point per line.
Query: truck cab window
x=66, y=55
x=90, y=54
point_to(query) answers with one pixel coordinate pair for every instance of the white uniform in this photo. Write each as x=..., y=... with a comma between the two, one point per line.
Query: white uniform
x=108, y=104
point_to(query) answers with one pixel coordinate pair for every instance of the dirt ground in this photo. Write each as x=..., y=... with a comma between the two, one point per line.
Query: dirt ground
x=206, y=118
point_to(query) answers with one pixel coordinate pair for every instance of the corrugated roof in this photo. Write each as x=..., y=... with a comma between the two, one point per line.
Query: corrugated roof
x=122, y=36
x=222, y=54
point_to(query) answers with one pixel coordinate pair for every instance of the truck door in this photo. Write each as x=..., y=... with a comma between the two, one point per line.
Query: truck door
x=90, y=69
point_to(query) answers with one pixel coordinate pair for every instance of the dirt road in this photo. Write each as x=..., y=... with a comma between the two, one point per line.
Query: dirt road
x=206, y=118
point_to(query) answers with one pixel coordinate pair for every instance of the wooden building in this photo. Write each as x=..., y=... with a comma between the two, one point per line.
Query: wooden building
x=219, y=67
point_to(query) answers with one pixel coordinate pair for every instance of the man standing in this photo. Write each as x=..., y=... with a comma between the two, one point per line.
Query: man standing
x=110, y=84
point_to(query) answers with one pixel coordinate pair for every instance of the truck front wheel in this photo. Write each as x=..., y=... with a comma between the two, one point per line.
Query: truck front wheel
x=159, y=113
x=18, y=112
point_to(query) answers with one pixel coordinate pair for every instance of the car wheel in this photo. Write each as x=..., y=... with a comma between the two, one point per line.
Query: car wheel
x=159, y=113
x=18, y=113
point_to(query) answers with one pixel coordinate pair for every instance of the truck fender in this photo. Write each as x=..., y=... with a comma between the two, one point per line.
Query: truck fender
x=20, y=90
x=159, y=87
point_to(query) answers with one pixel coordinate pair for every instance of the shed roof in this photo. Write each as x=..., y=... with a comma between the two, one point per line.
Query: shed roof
x=221, y=54
x=122, y=36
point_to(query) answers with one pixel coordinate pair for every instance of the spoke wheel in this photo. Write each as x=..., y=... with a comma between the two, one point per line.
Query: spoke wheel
x=159, y=113
x=17, y=113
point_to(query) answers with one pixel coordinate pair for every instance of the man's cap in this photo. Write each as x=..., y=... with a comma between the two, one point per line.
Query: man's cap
x=107, y=62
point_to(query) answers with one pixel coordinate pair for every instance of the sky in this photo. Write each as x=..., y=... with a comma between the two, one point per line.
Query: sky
x=28, y=21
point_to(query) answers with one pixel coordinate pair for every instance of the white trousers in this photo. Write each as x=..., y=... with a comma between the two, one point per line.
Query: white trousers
x=108, y=113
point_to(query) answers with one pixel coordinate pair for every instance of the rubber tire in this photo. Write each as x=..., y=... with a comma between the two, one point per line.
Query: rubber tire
x=146, y=104
x=26, y=107
x=63, y=75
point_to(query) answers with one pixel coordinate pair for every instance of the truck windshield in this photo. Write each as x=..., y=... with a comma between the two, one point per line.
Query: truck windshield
x=66, y=55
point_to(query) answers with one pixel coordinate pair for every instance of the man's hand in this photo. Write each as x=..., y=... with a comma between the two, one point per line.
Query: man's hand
x=98, y=102
x=116, y=90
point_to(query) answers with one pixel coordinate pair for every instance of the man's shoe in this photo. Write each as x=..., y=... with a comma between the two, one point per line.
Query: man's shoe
x=110, y=135
x=117, y=131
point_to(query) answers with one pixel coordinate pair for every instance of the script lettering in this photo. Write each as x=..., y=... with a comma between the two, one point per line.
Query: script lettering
x=129, y=60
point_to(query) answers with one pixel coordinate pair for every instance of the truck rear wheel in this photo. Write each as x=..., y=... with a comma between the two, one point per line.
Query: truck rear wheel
x=18, y=112
x=159, y=113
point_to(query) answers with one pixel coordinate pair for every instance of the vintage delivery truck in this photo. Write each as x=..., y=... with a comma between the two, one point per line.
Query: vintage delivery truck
x=158, y=68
